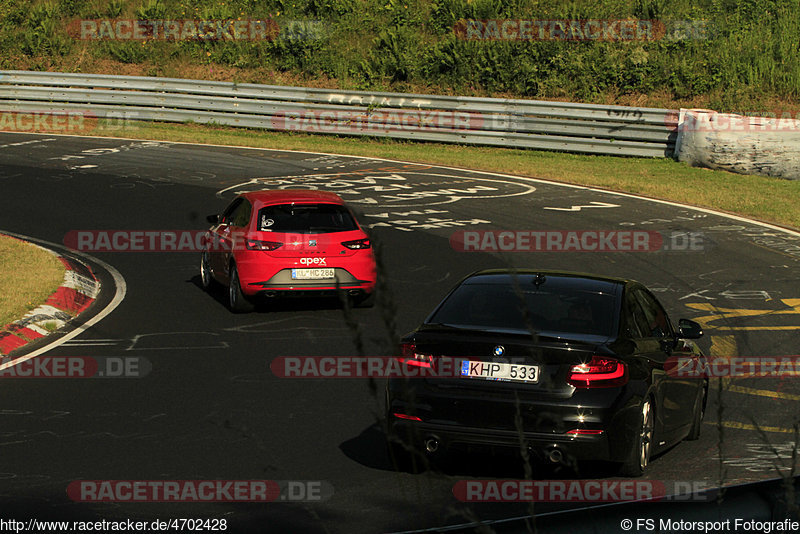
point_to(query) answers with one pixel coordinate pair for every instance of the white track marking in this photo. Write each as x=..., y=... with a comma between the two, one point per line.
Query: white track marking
x=487, y=173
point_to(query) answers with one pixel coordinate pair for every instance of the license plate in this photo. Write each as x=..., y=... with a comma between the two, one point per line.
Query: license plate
x=506, y=372
x=312, y=274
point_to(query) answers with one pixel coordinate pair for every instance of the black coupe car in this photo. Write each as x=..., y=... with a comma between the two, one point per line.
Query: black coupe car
x=569, y=366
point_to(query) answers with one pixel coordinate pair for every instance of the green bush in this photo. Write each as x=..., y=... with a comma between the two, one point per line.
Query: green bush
x=125, y=51
x=42, y=32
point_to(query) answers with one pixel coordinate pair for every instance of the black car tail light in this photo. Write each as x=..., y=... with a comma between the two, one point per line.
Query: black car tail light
x=357, y=244
x=255, y=244
x=598, y=372
x=584, y=432
x=410, y=356
x=407, y=417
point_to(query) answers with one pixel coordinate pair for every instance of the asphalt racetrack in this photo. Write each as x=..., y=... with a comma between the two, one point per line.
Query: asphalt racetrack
x=209, y=408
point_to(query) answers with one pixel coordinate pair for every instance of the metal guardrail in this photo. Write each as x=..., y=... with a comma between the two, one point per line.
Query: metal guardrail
x=511, y=123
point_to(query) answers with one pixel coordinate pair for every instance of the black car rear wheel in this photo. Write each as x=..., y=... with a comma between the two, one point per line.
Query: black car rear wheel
x=639, y=456
x=699, y=413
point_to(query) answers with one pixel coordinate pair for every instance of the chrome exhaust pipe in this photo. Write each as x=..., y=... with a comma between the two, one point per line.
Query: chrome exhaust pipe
x=431, y=445
x=555, y=455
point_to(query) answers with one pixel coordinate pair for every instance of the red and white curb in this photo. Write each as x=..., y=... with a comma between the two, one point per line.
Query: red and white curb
x=78, y=291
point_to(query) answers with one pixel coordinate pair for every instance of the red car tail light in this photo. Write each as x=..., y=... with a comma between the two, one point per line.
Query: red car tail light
x=598, y=372
x=357, y=244
x=410, y=356
x=255, y=244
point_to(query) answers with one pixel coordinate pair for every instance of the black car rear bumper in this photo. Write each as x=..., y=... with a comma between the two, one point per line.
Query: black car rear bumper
x=591, y=447
x=457, y=418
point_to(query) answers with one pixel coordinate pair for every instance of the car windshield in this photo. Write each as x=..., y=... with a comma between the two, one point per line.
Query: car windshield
x=553, y=309
x=305, y=219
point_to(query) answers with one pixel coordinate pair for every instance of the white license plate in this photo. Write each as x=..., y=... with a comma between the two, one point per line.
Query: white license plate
x=312, y=274
x=507, y=372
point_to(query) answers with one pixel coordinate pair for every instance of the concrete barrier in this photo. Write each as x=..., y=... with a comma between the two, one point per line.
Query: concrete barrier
x=738, y=143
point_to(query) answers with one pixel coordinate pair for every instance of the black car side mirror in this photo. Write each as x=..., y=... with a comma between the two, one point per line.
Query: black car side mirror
x=689, y=329
x=213, y=219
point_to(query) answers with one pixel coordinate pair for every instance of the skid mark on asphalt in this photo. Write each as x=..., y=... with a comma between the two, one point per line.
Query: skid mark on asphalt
x=177, y=341
x=324, y=328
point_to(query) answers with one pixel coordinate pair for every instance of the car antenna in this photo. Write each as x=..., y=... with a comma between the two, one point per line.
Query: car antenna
x=539, y=279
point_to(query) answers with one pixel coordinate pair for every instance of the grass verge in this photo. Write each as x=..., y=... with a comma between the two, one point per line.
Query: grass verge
x=28, y=275
x=767, y=199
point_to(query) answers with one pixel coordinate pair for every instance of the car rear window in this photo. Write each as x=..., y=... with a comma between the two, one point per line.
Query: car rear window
x=554, y=309
x=305, y=219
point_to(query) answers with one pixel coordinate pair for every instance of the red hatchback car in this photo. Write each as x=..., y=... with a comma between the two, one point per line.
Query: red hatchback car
x=289, y=241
